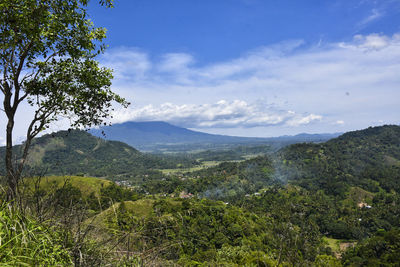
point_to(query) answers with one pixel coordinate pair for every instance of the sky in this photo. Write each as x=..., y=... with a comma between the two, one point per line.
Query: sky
x=254, y=67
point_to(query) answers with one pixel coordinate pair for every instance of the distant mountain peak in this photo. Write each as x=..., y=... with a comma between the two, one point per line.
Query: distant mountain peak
x=148, y=135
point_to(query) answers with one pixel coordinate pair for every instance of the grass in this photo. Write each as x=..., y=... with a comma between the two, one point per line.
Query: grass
x=142, y=208
x=338, y=246
x=86, y=185
x=204, y=165
x=25, y=242
x=333, y=243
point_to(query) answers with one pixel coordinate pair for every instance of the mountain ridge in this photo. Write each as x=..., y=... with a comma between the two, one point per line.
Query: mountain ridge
x=158, y=134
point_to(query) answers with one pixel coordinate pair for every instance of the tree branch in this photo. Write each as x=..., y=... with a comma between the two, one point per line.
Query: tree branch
x=41, y=117
x=23, y=57
x=17, y=85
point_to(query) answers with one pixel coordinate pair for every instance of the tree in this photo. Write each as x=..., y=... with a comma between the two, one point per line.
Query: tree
x=47, y=59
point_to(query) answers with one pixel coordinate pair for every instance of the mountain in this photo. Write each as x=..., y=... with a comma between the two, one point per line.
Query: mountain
x=80, y=153
x=158, y=135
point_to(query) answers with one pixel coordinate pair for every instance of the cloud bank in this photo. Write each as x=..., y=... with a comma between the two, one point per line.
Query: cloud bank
x=222, y=114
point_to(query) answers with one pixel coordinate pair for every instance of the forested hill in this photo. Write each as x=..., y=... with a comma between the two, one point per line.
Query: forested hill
x=78, y=152
x=367, y=158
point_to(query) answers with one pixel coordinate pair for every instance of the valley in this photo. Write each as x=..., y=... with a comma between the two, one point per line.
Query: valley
x=315, y=204
x=199, y=133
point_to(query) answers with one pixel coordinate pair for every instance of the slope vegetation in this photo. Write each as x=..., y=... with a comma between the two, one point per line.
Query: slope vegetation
x=368, y=158
x=78, y=152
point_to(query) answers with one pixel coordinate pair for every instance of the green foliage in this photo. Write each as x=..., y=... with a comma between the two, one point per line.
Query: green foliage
x=67, y=196
x=206, y=232
x=382, y=249
x=227, y=181
x=336, y=218
x=66, y=214
x=27, y=242
x=56, y=43
x=327, y=261
x=113, y=193
x=78, y=152
x=265, y=223
x=368, y=159
x=47, y=59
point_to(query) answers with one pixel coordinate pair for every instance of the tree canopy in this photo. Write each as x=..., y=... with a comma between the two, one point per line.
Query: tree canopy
x=48, y=52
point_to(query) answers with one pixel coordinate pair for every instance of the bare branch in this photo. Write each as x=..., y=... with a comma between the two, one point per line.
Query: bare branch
x=27, y=76
x=22, y=98
x=41, y=115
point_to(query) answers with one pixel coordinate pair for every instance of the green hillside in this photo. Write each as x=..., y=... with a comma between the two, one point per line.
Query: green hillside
x=226, y=181
x=330, y=204
x=368, y=158
x=349, y=186
x=79, y=153
x=87, y=185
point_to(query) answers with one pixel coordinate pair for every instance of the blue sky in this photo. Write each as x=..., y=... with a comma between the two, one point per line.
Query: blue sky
x=256, y=67
x=215, y=30
x=253, y=67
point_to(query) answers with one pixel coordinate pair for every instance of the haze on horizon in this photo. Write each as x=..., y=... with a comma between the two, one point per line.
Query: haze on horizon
x=253, y=67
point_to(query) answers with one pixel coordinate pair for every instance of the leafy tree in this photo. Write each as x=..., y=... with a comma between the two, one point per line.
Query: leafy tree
x=382, y=249
x=327, y=261
x=47, y=59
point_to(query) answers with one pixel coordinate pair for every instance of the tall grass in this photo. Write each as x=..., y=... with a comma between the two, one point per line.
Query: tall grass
x=25, y=242
x=51, y=226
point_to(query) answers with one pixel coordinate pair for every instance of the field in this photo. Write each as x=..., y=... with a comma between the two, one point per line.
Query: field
x=204, y=165
x=338, y=246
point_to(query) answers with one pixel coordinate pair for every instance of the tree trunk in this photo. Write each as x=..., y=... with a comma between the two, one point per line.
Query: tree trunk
x=11, y=176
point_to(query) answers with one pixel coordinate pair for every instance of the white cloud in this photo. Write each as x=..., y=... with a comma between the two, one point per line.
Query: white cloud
x=127, y=63
x=373, y=16
x=339, y=122
x=222, y=114
x=372, y=42
x=175, y=62
x=250, y=63
x=304, y=120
